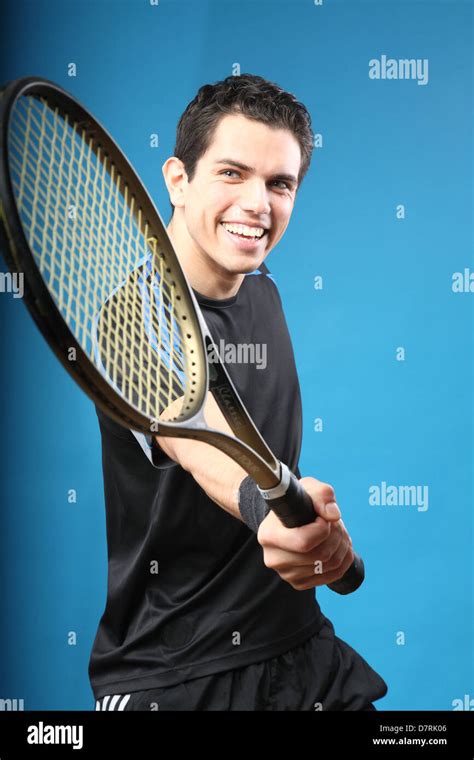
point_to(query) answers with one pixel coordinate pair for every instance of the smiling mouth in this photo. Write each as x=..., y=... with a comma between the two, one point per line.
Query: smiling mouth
x=244, y=232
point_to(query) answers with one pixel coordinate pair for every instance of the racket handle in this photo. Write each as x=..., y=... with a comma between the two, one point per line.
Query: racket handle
x=294, y=507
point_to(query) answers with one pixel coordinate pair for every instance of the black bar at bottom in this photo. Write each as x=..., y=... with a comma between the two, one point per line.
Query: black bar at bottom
x=141, y=735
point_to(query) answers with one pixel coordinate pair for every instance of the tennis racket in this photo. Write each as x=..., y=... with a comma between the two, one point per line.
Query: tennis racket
x=105, y=288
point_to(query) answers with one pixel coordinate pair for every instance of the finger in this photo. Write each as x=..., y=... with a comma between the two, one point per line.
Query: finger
x=324, y=554
x=345, y=530
x=302, y=540
x=324, y=498
x=337, y=557
x=336, y=574
x=304, y=563
x=323, y=579
x=325, y=550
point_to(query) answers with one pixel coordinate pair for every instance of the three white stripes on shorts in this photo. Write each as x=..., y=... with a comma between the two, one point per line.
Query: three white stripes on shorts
x=115, y=702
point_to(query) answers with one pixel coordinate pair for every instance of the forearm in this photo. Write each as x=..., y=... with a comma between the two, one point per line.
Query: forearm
x=217, y=474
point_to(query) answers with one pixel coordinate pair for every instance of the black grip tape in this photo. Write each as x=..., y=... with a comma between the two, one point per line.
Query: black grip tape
x=295, y=508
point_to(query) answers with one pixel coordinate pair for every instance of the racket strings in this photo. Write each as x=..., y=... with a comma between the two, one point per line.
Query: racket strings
x=48, y=264
x=98, y=257
x=100, y=268
x=110, y=222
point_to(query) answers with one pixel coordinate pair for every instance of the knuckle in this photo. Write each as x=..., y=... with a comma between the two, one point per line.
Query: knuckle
x=267, y=560
x=340, y=567
x=298, y=585
x=328, y=492
x=301, y=544
x=336, y=562
x=262, y=536
x=324, y=555
x=336, y=575
x=328, y=528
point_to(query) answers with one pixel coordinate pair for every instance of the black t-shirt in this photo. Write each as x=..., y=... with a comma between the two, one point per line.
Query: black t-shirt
x=188, y=593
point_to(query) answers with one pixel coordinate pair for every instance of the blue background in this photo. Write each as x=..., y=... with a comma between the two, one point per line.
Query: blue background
x=387, y=284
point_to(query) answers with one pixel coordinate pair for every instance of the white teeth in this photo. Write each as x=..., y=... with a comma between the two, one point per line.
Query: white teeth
x=242, y=229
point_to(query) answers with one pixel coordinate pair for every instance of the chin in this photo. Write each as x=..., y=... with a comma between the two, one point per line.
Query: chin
x=242, y=264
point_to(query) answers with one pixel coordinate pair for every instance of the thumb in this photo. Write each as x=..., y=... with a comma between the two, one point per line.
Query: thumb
x=322, y=496
x=329, y=511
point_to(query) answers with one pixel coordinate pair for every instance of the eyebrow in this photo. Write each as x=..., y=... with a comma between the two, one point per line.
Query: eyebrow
x=245, y=168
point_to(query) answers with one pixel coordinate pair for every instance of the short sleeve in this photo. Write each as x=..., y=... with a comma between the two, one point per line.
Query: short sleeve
x=153, y=451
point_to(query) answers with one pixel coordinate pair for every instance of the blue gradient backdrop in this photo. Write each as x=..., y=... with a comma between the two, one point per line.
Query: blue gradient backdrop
x=387, y=284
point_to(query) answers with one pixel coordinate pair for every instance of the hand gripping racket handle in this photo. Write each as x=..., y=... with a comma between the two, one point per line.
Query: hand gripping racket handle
x=294, y=507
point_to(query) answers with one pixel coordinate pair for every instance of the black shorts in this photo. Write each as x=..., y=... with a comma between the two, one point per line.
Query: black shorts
x=323, y=673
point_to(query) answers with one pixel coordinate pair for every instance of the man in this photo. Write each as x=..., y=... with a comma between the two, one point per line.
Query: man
x=211, y=602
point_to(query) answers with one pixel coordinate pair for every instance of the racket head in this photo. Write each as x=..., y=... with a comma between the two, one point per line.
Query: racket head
x=100, y=274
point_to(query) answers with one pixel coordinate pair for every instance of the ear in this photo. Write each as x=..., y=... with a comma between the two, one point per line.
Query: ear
x=176, y=180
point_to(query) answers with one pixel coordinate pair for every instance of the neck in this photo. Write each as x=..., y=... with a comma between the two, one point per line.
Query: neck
x=203, y=273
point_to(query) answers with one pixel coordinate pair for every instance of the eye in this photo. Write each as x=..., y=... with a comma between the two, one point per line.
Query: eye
x=282, y=182
x=230, y=171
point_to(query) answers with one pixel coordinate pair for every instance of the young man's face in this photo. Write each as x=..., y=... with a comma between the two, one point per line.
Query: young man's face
x=222, y=195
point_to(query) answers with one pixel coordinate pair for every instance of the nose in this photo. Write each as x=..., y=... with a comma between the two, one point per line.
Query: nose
x=255, y=197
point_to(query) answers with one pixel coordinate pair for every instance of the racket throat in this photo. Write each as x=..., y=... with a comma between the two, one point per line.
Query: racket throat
x=278, y=491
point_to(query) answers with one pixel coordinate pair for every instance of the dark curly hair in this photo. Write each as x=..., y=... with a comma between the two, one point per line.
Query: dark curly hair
x=251, y=96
